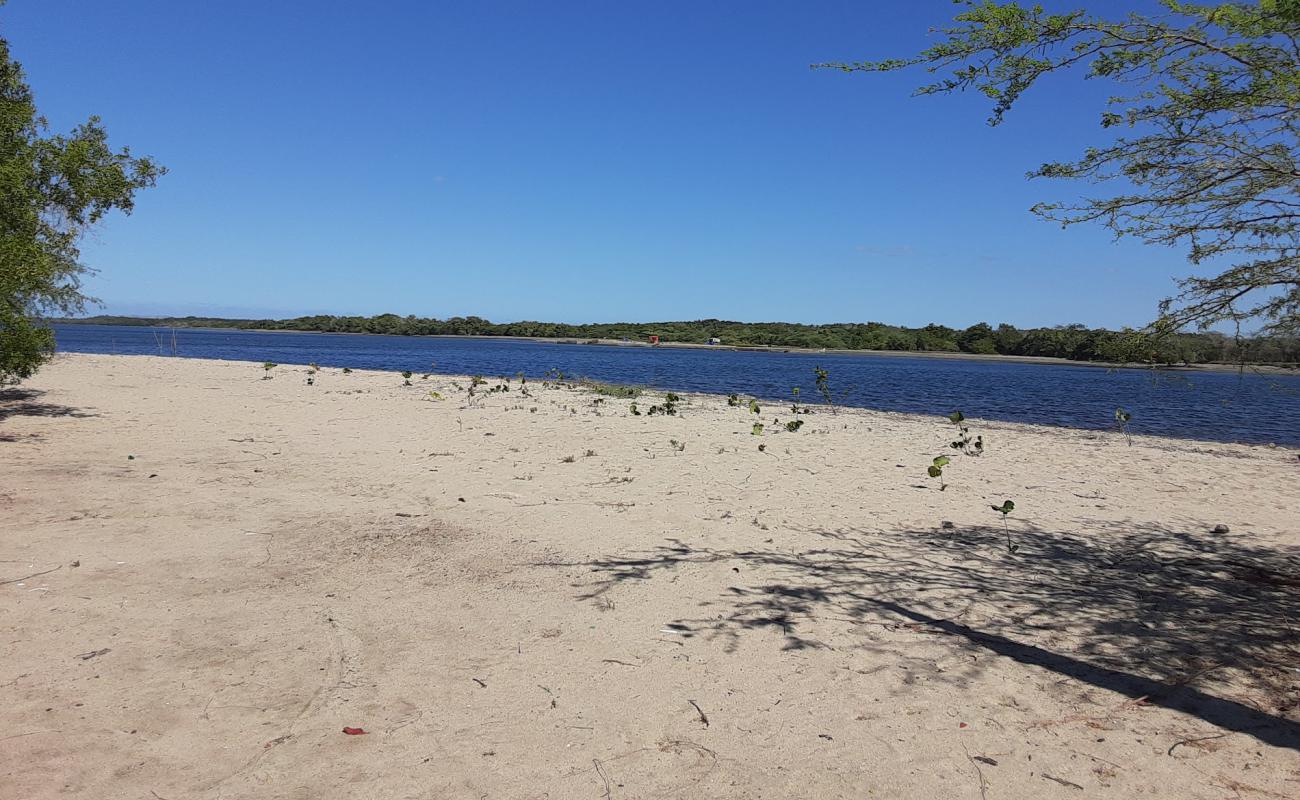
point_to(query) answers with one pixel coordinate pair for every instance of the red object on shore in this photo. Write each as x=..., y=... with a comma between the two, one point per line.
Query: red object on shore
x=654, y=340
x=354, y=731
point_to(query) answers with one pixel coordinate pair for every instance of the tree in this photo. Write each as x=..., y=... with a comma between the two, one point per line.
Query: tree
x=52, y=188
x=1211, y=155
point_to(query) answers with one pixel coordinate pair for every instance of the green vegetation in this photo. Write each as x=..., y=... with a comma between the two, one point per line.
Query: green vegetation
x=1073, y=342
x=54, y=188
x=935, y=470
x=611, y=389
x=1006, y=508
x=667, y=408
x=794, y=425
x=1201, y=147
x=406, y=377
x=267, y=366
x=1122, y=419
x=823, y=380
x=964, y=442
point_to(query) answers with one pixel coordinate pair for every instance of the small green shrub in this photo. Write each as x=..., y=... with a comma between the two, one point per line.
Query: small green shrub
x=964, y=442
x=1006, y=508
x=935, y=470
x=668, y=408
x=267, y=366
x=612, y=389
x=823, y=380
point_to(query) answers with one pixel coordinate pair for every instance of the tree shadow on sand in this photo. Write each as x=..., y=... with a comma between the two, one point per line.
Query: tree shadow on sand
x=1202, y=623
x=26, y=403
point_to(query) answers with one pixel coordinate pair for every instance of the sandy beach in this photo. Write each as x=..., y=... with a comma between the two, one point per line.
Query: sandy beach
x=206, y=576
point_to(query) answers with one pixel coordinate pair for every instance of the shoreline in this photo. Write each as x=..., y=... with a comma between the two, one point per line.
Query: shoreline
x=772, y=349
x=578, y=383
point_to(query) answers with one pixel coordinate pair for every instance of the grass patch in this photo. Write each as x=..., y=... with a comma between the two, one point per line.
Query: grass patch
x=611, y=389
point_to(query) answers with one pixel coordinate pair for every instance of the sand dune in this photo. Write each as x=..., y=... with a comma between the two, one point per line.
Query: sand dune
x=207, y=576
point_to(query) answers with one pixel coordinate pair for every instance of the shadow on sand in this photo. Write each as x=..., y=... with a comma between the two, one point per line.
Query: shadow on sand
x=26, y=403
x=1203, y=623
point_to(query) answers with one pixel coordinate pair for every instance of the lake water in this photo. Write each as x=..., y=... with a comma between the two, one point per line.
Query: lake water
x=1200, y=405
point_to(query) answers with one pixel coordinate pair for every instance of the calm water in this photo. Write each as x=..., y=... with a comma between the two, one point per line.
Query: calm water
x=1200, y=405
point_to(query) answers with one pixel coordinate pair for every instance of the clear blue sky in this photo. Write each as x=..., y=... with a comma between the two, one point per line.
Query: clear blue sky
x=572, y=161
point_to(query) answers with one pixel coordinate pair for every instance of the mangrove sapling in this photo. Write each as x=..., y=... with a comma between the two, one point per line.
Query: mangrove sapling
x=312, y=369
x=406, y=378
x=636, y=412
x=1122, y=418
x=268, y=366
x=753, y=406
x=347, y=370
x=733, y=400
x=1006, y=508
x=676, y=445
x=757, y=430
x=935, y=470
x=794, y=425
x=795, y=408
x=568, y=459
x=823, y=381
x=964, y=442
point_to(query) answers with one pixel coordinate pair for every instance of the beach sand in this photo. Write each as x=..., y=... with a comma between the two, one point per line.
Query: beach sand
x=226, y=571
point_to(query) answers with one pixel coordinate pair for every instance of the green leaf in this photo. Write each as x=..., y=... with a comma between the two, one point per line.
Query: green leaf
x=934, y=471
x=942, y=461
x=1006, y=508
x=956, y=417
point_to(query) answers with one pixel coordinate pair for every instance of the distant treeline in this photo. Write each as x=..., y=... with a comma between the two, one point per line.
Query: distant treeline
x=1066, y=341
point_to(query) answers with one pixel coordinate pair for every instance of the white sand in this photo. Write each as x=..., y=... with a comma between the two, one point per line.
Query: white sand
x=279, y=561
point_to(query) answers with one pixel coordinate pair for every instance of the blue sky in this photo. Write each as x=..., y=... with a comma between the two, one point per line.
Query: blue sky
x=572, y=161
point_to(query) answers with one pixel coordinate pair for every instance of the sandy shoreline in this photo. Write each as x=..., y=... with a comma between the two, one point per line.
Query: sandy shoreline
x=205, y=576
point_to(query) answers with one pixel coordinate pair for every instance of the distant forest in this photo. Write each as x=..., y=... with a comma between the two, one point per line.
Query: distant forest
x=1074, y=342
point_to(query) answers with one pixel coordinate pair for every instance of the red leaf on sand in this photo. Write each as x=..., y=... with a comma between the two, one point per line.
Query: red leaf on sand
x=961, y=725
x=354, y=731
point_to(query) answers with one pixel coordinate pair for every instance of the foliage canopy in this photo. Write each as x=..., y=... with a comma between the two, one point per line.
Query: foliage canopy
x=52, y=188
x=1208, y=154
